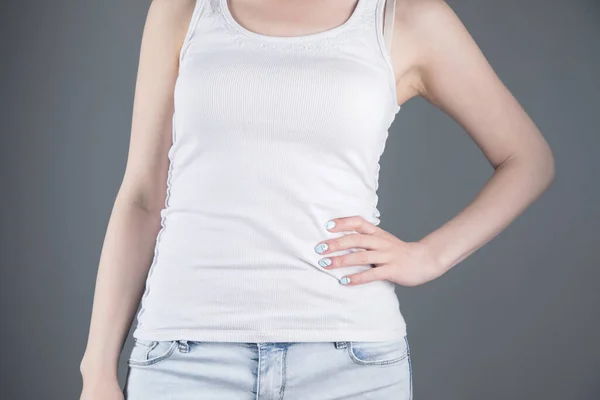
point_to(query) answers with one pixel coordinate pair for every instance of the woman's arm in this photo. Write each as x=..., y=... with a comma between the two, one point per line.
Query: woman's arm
x=135, y=219
x=453, y=74
x=434, y=56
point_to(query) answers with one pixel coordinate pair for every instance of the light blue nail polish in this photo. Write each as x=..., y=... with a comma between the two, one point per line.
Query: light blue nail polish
x=345, y=280
x=324, y=262
x=320, y=248
x=329, y=224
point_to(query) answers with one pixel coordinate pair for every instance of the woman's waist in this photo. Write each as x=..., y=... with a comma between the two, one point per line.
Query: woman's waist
x=295, y=217
x=276, y=292
x=232, y=238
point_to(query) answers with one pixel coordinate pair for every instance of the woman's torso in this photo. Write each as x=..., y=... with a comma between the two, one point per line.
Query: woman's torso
x=272, y=137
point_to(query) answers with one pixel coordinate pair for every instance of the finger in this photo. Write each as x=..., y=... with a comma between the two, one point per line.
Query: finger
x=370, y=275
x=365, y=257
x=354, y=223
x=351, y=240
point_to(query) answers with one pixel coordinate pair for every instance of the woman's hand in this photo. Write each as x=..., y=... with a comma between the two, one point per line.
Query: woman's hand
x=404, y=263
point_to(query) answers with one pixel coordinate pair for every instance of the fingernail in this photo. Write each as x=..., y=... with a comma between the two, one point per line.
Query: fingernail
x=324, y=262
x=345, y=280
x=329, y=224
x=320, y=248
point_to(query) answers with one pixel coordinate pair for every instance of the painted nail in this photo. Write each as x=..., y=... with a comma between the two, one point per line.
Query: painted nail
x=329, y=224
x=320, y=248
x=345, y=280
x=325, y=262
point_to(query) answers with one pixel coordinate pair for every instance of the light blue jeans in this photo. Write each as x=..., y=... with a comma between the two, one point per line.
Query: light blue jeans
x=186, y=370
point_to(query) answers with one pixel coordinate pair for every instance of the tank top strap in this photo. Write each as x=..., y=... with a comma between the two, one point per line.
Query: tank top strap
x=200, y=7
x=388, y=27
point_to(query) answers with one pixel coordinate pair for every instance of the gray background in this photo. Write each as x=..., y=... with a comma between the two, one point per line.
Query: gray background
x=516, y=320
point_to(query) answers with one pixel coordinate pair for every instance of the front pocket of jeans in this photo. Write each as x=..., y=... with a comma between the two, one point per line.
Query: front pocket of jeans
x=150, y=352
x=378, y=353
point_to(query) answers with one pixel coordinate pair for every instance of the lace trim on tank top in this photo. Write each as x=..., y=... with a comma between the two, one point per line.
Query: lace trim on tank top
x=327, y=40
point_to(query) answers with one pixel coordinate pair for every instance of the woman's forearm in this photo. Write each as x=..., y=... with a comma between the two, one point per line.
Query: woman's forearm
x=124, y=263
x=515, y=184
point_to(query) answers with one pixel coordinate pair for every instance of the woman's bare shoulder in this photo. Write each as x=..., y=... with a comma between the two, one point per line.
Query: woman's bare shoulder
x=171, y=18
x=431, y=40
x=411, y=12
x=422, y=25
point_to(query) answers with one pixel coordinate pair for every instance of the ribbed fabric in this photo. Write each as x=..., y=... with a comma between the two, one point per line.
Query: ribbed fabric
x=272, y=137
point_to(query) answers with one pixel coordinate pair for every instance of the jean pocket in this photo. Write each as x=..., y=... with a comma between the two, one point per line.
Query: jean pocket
x=379, y=353
x=150, y=352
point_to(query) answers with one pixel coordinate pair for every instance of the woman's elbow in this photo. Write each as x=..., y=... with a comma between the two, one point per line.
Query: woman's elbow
x=541, y=165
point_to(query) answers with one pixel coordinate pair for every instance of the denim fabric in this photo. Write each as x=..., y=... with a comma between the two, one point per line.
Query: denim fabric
x=186, y=370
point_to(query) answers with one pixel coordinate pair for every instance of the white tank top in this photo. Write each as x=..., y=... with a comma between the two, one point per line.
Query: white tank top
x=272, y=137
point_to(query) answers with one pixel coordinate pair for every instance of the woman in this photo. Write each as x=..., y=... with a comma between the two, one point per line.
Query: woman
x=246, y=222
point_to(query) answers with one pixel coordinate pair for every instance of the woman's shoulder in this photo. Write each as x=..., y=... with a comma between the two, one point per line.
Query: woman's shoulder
x=170, y=18
x=427, y=35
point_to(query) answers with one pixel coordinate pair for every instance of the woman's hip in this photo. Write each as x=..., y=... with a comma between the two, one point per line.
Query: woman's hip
x=181, y=369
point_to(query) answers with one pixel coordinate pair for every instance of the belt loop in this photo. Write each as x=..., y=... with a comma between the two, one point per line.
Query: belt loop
x=183, y=346
x=341, y=345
